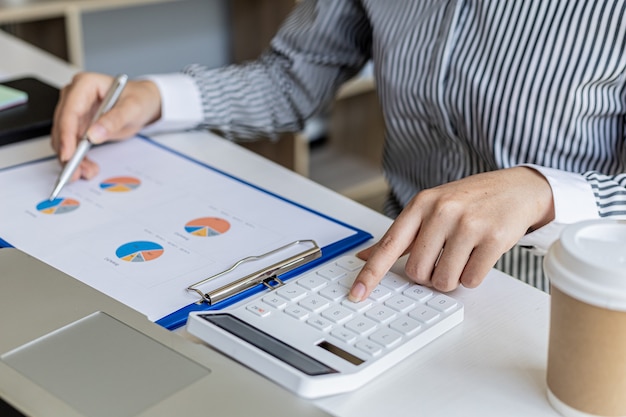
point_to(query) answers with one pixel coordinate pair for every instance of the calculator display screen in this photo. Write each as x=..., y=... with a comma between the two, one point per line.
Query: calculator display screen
x=269, y=344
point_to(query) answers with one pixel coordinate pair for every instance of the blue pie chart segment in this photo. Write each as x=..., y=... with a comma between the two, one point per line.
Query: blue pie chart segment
x=139, y=251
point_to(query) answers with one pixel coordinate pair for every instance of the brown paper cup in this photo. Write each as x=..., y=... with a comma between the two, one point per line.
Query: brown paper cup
x=587, y=347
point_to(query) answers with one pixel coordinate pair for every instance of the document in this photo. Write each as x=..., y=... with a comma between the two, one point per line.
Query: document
x=150, y=224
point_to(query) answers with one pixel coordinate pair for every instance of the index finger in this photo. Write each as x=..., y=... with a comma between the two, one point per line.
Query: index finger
x=65, y=132
x=76, y=106
x=381, y=257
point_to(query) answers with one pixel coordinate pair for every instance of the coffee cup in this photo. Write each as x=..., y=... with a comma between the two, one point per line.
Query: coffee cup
x=586, y=373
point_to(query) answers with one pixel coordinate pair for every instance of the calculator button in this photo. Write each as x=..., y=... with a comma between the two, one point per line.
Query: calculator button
x=292, y=292
x=314, y=303
x=320, y=323
x=331, y=272
x=359, y=307
x=258, y=309
x=361, y=325
x=386, y=337
x=398, y=317
x=380, y=293
x=405, y=325
x=297, y=312
x=333, y=292
x=347, y=280
x=418, y=293
x=395, y=282
x=380, y=313
x=369, y=347
x=350, y=263
x=442, y=303
x=312, y=282
x=344, y=335
x=400, y=303
x=275, y=301
x=337, y=314
x=424, y=314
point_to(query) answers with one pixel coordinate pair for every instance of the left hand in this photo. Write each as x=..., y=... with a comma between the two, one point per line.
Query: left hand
x=138, y=105
x=455, y=233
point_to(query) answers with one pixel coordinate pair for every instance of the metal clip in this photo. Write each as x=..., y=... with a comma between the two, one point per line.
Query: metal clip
x=263, y=276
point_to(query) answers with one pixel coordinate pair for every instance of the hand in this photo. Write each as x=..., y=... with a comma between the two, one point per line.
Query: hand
x=138, y=105
x=456, y=232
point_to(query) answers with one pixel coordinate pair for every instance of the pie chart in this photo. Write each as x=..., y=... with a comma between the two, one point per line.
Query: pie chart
x=120, y=184
x=140, y=251
x=207, y=226
x=58, y=206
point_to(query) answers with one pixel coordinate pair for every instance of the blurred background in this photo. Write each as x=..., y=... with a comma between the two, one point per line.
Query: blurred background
x=340, y=148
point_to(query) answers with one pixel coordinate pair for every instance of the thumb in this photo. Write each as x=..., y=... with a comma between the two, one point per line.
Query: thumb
x=97, y=133
x=109, y=126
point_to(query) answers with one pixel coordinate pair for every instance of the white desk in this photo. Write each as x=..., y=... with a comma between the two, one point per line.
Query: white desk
x=493, y=364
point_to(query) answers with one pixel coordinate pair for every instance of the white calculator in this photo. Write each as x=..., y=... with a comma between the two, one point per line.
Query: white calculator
x=308, y=337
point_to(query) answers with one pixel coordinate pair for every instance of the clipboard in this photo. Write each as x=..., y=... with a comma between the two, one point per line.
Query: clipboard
x=179, y=317
x=282, y=269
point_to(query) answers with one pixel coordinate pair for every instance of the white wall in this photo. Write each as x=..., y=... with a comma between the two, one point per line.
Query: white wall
x=156, y=38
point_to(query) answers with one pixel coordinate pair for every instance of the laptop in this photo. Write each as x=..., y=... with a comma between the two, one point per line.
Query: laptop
x=69, y=350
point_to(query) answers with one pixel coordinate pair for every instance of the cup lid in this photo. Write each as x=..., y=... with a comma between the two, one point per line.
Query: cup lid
x=588, y=262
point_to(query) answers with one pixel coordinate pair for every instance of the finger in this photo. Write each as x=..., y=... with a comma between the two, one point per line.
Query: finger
x=139, y=105
x=111, y=125
x=64, y=132
x=383, y=255
x=54, y=133
x=76, y=107
x=425, y=252
x=365, y=253
x=451, y=263
x=482, y=259
x=86, y=170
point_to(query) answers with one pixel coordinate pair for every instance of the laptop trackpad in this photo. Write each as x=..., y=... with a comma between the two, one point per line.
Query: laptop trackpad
x=102, y=367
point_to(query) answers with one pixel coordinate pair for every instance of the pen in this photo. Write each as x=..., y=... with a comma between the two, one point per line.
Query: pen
x=85, y=144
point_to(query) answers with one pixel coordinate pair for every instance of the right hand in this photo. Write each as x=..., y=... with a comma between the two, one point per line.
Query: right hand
x=456, y=232
x=138, y=105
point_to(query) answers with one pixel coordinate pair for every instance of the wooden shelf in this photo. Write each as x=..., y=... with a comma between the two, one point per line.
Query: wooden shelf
x=349, y=175
x=349, y=163
x=55, y=25
x=355, y=87
x=355, y=139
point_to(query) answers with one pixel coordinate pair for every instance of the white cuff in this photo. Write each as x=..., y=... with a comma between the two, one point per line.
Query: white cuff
x=181, y=103
x=573, y=201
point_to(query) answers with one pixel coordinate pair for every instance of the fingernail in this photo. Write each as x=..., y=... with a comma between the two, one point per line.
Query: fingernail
x=357, y=292
x=97, y=133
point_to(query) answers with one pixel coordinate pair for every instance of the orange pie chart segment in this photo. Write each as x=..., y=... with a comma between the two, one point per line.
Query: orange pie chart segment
x=207, y=226
x=120, y=184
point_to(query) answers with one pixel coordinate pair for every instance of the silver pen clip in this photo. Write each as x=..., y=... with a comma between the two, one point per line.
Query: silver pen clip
x=265, y=275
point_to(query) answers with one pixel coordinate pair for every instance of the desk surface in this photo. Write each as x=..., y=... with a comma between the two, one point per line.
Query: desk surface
x=493, y=364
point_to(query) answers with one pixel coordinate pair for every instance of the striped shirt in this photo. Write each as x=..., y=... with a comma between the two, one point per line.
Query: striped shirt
x=465, y=87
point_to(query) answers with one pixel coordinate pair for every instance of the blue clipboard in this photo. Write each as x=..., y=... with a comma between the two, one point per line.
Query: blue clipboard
x=178, y=318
